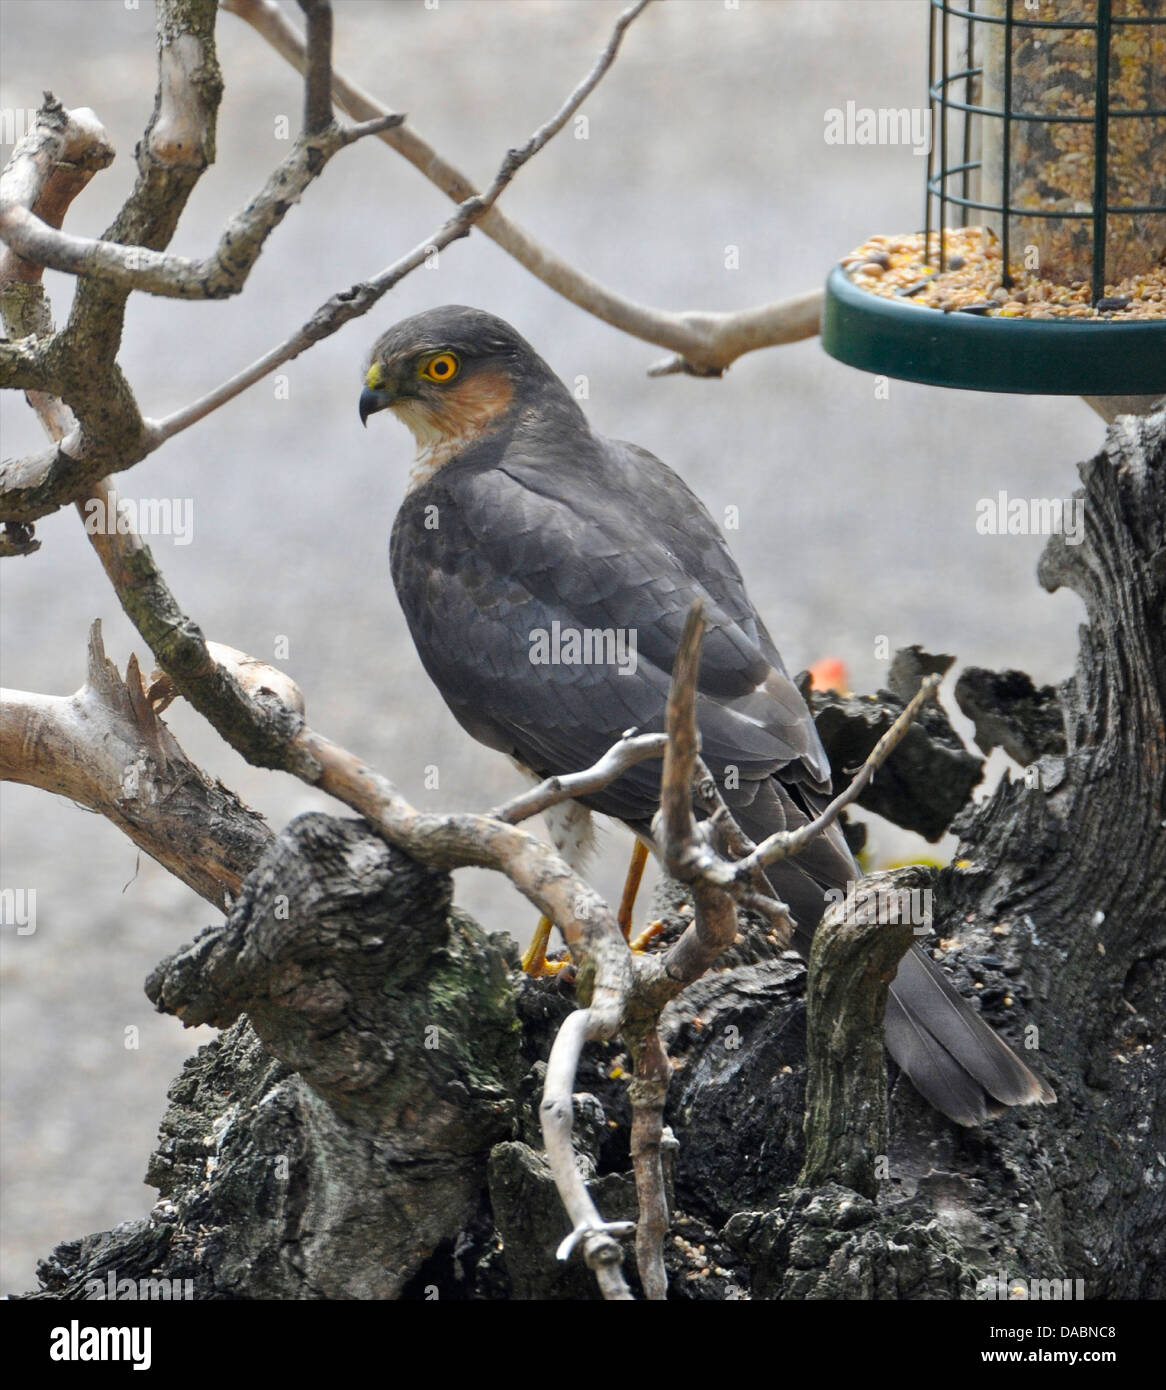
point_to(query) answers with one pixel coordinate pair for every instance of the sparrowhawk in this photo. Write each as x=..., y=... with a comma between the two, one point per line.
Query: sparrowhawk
x=521, y=527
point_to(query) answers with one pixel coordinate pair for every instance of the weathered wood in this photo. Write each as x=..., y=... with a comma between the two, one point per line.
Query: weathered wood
x=342, y=954
x=1051, y=914
x=928, y=778
x=857, y=949
x=105, y=748
x=393, y=1022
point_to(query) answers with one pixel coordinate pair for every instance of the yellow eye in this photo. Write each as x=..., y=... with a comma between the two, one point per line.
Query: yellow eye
x=444, y=367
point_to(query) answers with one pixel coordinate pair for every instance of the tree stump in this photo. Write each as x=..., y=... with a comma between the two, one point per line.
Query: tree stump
x=365, y=1127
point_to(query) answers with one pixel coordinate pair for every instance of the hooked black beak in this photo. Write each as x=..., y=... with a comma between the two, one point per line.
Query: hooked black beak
x=372, y=400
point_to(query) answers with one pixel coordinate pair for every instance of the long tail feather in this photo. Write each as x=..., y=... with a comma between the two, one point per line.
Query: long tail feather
x=951, y=1055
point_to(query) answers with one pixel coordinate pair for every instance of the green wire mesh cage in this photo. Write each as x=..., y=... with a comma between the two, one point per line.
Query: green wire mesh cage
x=1045, y=192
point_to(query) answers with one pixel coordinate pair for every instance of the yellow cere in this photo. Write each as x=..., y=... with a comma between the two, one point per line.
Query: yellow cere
x=374, y=376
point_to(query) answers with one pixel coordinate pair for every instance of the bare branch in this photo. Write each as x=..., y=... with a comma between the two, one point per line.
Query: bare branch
x=106, y=749
x=683, y=850
x=648, y=1093
x=331, y=316
x=218, y=276
x=552, y=127
x=318, y=79
x=57, y=159
x=342, y=307
x=177, y=146
x=259, y=680
x=225, y=271
x=556, y=1114
x=260, y=720
x=688, y=853
x=18, y=538
x=631, y=749
x=705, y=344
x=48, y=168
x=786, y=843
x=730, y=336
x=692, y=853
x=732, y=842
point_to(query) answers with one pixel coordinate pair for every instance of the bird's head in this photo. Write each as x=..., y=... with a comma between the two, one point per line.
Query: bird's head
x=450, y=374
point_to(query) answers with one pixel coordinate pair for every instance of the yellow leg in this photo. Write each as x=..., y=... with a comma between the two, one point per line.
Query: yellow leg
x=647, y=936
x=535, y=962
x=631, y=887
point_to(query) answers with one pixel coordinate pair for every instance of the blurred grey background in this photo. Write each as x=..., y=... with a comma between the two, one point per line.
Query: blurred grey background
x=857, y=513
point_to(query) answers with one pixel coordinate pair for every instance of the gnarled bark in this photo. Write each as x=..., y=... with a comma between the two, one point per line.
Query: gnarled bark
x=410, y=1170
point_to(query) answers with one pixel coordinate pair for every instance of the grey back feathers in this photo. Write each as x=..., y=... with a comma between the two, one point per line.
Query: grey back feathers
x=545, y=526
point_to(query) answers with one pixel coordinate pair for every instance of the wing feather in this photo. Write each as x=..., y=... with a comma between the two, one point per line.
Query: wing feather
x=524, y=545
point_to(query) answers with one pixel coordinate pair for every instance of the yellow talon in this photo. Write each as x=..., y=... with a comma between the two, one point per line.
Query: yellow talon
x=647, y=936
x=535, y=962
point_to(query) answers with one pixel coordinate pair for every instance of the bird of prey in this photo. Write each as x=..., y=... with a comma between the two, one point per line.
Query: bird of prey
x=546, y=572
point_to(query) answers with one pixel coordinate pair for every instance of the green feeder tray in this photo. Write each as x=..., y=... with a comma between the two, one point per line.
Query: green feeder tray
x=1048, y=134
x=1042, y=357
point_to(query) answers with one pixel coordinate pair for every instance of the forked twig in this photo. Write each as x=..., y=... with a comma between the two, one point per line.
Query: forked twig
x=702, y=343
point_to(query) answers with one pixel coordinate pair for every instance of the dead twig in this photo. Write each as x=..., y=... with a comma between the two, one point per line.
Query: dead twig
x=690, y=851
x=158, y=273
x=631, y=749
x=648, y=1092
x=349, y=304
x=105, y=748
x=177, y=146
x=786, y=843
x=318, y=78
x=221, y=274
x=556, y=1113
x=703, y=344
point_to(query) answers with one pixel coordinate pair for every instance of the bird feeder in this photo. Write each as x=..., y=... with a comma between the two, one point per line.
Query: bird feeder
x=1041, y=263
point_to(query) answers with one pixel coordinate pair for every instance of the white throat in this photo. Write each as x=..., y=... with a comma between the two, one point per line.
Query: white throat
x=435, y=451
